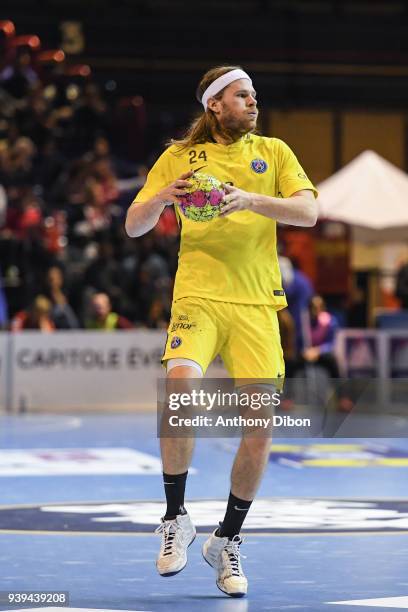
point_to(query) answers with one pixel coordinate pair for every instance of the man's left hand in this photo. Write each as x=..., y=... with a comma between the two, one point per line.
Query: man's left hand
x=236, y=199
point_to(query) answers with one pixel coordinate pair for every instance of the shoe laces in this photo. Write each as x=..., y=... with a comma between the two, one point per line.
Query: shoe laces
x=169, y=530
x=234, y=555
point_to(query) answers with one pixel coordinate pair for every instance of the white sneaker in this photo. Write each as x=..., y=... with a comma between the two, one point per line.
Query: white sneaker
x=224, y=556
x=177, y=535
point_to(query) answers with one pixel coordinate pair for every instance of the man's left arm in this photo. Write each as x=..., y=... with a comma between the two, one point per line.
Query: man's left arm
x=299, y=209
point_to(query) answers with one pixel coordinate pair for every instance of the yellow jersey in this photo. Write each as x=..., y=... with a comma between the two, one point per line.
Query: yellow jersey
x=233, y=258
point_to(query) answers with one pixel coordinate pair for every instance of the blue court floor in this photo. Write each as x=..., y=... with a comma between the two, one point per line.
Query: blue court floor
x=80, y=496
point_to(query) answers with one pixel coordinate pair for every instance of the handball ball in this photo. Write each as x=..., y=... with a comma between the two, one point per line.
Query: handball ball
x=203, y=199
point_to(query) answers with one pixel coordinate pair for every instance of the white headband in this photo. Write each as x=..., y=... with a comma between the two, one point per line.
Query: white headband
x=222, y=82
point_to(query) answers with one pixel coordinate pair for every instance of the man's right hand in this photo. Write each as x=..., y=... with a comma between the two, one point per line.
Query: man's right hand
x=170, y=194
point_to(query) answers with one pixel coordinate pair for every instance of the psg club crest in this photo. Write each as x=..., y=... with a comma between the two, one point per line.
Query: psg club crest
x=175, y=342
x=259, y=166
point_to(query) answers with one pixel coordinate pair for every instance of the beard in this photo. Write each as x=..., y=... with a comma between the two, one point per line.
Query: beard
x=233, y=127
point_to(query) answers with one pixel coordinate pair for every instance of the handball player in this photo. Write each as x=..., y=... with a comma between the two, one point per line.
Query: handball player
x=228, y=290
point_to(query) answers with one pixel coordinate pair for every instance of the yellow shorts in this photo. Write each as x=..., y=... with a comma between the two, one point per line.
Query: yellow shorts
x=246, y=336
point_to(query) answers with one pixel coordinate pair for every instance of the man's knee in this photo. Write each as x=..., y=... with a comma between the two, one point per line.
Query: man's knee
x=183, y=368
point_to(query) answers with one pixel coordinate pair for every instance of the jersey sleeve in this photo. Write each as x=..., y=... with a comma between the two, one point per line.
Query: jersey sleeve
x=291, y=176
x=157, y=179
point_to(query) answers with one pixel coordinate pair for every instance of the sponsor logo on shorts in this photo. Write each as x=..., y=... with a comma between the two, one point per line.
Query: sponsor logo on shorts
x=302, y=176
x=279, y=292
x=175, y=342
x=259, y=166
x=177, y=326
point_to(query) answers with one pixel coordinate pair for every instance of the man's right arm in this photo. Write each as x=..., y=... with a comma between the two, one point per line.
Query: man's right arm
x=142, y=216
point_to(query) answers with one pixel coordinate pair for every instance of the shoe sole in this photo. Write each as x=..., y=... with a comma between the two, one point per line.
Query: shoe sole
x=235, y=595
x=168, y=574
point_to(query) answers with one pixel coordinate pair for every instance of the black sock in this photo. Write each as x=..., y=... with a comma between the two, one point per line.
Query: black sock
x=237, y=509
x=174, y=487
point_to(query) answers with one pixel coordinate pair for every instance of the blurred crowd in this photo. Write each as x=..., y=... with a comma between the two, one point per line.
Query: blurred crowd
x=65, y=260
x=63, y=198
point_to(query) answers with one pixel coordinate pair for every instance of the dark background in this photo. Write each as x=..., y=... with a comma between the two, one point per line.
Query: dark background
x=300, y=52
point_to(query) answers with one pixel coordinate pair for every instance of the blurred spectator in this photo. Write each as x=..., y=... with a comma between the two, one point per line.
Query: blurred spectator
x=38, y=316
x=153, y=278
x=121, y=167
x=69, y=189
x=34, y=116
x=320, y=348
x=103, y=274
x=401, y=290
x=17, y=162
x=61, y=314
x=87, y=212
x=24, y=215
x=106, y=178
x=299, y=290
x=49, y=165
x=97, y=213
x=54, y=232
x=159, y=315
x=101, y=147
x=102, y=317
x=19, y=76
x=323, y=329
x=90, y=118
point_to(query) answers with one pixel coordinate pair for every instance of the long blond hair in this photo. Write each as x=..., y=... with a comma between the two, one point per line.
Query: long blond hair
x=202, y=128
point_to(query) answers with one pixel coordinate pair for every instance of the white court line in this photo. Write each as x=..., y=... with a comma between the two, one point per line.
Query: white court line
x=384, y=602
